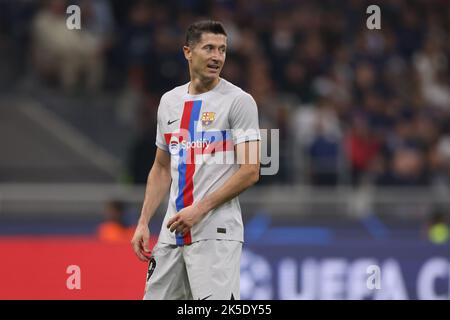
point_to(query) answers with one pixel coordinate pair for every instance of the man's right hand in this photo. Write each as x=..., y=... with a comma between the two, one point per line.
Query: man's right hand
x=140, y=242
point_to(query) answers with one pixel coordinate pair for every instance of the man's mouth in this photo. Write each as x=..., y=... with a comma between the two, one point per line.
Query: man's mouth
x=214, y=67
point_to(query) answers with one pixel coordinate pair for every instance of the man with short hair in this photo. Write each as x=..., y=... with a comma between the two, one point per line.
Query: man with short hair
x=208, y=153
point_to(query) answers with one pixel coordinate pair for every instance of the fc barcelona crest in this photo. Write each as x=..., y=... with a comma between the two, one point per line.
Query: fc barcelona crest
x=208, y=118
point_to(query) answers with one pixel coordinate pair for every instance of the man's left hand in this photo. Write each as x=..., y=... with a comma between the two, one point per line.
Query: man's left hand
x=185, y=219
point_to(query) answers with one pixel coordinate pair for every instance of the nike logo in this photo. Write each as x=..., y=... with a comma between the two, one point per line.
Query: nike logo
x=170, y=122
x=206, y=297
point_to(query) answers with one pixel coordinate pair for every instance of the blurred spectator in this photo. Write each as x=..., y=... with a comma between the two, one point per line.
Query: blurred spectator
x=68, y=54
x=361, y=146
x=298, y=82
x=440, y=161
x=406, y=169
x=432, y=65
x=114, y=229
x=324, y=155
x=325, y=146
x=437, y=229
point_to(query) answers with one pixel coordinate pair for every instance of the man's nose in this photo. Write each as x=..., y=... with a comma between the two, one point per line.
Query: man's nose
x=216, y=56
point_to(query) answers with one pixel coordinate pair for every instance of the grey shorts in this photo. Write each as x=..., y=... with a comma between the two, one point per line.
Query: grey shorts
x=207, y=269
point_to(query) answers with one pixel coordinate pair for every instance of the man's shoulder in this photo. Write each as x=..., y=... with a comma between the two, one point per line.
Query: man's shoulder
x=233, y=91
x=174, y=94
x=228, y=87
x=237, y=94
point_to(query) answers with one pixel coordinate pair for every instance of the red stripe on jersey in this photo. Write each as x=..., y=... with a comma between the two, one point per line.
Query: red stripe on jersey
x=186, y=117
x=187, y=238
x=167, y=136
x=188, y=196
x=188, y=192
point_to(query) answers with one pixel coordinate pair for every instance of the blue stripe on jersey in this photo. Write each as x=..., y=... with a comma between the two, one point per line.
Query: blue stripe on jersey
x=193, y=119
x=181, y=179
x=179, y=240
x=195, y=115
x=179, y=202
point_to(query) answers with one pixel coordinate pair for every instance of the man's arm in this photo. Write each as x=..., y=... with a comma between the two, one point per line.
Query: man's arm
x=247, y=154
x=158, y=184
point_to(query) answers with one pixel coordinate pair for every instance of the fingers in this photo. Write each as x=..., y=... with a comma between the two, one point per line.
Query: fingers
x=175, y=226
x=142, y=257
x=178, y=225
x=138, y=251
x=172, y=220
x=140, y=248
x=145, y=244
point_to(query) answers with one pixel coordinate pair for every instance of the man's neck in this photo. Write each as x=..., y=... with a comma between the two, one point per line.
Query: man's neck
x=197, y=86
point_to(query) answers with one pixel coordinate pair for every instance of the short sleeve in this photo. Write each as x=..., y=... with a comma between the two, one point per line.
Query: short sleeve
x=160, y=140
x=244, y=119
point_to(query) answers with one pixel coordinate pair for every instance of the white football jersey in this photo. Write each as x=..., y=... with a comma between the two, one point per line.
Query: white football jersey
x=200, y=132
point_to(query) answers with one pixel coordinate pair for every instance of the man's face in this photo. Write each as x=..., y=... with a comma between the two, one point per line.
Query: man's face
x=207, y=56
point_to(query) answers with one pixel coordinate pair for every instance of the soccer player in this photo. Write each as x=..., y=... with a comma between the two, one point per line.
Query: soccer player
x=198, y=252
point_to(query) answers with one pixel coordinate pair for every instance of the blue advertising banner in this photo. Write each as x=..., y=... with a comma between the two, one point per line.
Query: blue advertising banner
x=346, y=270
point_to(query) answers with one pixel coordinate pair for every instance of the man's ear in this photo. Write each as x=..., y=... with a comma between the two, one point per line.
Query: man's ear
x=187, y=52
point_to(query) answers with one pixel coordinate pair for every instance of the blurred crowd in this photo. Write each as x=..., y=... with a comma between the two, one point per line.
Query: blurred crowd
x=353, y=105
